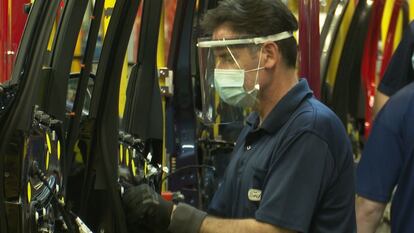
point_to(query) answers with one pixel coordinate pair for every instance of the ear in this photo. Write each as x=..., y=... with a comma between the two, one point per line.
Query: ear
x=270, y=55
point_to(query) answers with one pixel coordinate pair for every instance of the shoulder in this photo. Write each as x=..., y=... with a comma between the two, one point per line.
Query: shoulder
x=399, y=107
x=317, y=118
x=314, y=119
x=399, y=71
x=404, y=96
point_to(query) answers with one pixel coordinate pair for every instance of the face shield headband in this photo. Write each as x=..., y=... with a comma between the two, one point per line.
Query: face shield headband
x=256, y=40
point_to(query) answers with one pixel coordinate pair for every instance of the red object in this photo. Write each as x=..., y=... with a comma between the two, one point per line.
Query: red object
x=12, y=21
x=309, y=43
x=169, y=16
x=369, y=61
x=389, y=43
x=168, y=196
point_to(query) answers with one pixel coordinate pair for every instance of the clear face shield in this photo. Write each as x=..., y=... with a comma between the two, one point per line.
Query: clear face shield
x=229, y=73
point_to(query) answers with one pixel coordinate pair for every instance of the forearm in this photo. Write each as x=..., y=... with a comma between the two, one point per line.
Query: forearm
x=217, y=225
x=188, y=219
x=368, y=215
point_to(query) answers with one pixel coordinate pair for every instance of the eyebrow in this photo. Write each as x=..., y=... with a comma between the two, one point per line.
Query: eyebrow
x=220, y=52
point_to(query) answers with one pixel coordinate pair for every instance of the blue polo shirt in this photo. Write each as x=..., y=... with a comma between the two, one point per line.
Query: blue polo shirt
x=387, y=161
x=295, y=170
x=400, y=71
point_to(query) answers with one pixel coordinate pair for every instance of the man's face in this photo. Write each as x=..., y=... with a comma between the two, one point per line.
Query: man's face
x=246, y=57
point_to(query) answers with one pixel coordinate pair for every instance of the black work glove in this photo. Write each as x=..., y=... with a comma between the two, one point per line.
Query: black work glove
x=143, y=206
x=186, y=219
x=139, y=228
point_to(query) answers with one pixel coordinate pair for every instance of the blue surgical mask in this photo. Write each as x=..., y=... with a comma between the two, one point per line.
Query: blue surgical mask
x=229, y=84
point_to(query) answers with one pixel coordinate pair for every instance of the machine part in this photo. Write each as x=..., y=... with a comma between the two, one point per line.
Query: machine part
x=166, y=76
x=329, y=35
x=17, y=118
x=177, y=171
x=347, y=93
x=82, y=227
x=28, y=137
x=12, y=23
x=327, y=25
x=101, y=187
x=134, y=167
x=83, y=82
x=66, y=214
x=389, y=43
x=347, y=87
x=369, y=62
x=27, y=7
x=309, y=43
x=142, y=122
x=180, y=59
x=337, y=50
x=7, y=95
x=47, y=191
x=143, y=110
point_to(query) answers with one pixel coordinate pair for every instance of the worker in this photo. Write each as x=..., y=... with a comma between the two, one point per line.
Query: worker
x=292, y=166
x=400, y=70
x=387, y=165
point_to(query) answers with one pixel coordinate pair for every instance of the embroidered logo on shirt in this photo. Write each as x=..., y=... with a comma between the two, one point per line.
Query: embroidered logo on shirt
x=254, y=194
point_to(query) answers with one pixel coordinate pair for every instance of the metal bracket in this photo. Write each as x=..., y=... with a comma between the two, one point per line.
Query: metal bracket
x=166, y=78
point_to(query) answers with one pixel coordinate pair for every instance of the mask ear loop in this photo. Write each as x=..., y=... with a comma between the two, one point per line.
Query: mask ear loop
x=412, y=60
x=256, y=85
x=231, y=54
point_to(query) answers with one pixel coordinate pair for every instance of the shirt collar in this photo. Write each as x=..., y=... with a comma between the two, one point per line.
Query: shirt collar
x=253, y=119
x=284, y=109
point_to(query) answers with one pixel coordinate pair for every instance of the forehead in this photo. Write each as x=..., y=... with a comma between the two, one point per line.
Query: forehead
x=224, y=31
x=236, y=50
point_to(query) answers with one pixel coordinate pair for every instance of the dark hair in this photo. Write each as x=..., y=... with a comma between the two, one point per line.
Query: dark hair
x=258, y=18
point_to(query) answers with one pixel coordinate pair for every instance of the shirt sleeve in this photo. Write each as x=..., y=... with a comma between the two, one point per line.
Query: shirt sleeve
x=305, y=165
x=381, y=161
x=400, y=69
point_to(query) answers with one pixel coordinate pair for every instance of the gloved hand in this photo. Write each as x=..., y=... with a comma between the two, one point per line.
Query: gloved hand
x=143, y=206
x=139, y=228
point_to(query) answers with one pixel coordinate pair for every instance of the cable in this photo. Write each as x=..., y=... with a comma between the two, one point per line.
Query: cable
x=185, y=168
x=82, y=226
